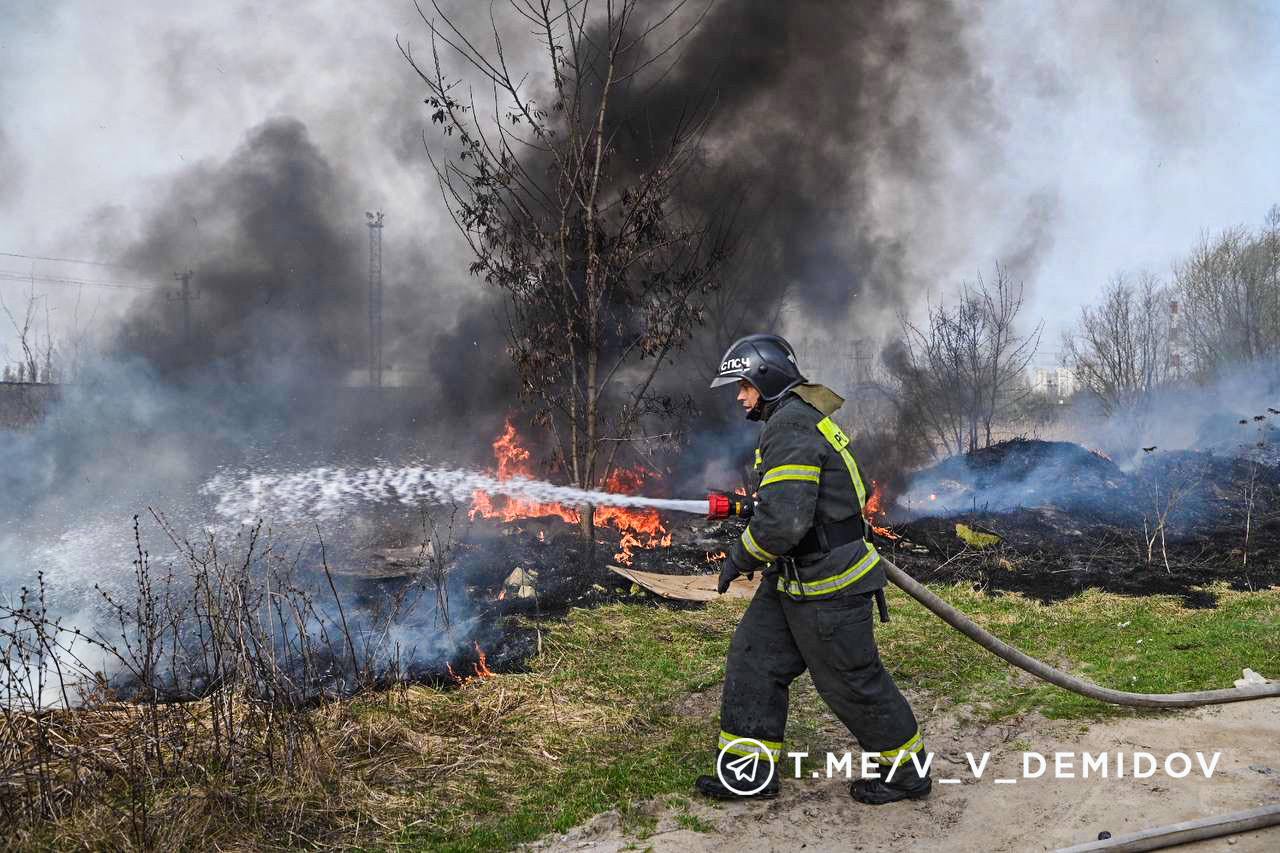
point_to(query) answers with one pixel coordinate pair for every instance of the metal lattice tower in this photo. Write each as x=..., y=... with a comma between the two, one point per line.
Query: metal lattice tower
x=374, y=221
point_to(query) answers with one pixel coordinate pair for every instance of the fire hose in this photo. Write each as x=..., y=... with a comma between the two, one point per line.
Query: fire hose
x=1043, y=671
x=723, y=506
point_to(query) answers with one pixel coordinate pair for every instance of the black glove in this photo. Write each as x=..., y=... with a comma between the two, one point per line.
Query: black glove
x=728, y=571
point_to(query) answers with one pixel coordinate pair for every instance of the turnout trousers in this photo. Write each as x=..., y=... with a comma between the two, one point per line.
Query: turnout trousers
x=779, y=638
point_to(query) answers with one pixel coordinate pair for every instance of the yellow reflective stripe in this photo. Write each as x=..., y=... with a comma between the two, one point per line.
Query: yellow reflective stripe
x=773, y=747
x=908, y=749
x=805, y=473
x=832, y=432
x=837, y=439
x=754, y=549
x=835, y=583
x=759, y=458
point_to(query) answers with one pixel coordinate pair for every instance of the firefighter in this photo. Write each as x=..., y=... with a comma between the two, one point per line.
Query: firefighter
x=813, y=609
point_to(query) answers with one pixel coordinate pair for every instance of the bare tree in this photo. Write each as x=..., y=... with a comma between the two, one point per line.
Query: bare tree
x=566, y=198
x=437, y=551
x=1005, y=353
x=1231, y=289
x=32, y=354
x=75, y=346
x=964, y=369
x=1165, y=486
x=1119, y=350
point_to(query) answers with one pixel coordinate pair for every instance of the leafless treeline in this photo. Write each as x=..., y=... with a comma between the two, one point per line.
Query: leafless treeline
x=42, y=356
x=1219, y=310
x=959, y=378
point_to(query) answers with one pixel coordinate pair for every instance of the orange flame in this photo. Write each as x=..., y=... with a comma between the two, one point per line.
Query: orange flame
x=482, y=668
x=640, y=528
x=716, y=557
x=874, y=510
x=873, y=507
x=513, y=461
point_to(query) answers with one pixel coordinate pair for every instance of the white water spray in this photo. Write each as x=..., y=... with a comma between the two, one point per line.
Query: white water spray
x=328, y=492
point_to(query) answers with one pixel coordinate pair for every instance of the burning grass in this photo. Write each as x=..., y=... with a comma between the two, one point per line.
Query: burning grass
x=617, y=706
x=638, y=528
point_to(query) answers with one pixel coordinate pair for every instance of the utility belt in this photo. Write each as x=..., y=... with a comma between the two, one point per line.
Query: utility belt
x=821, y=540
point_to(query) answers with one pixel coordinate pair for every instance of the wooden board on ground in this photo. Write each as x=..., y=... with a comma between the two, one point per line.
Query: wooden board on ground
x=385, y=563
x=688, y=587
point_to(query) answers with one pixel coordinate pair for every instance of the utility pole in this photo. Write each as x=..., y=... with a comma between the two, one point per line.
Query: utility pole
x=1176, y=340
x=374, y=221
x=186, y=296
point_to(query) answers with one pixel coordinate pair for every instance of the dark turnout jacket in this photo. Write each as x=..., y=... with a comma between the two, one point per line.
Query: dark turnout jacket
x=807, y=477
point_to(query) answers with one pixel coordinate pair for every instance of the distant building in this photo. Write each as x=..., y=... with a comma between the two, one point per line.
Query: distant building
x=1057, y=382
x=848, y=362
x=391, y=378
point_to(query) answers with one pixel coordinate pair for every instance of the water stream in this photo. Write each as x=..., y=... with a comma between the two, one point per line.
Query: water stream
x=328, y=492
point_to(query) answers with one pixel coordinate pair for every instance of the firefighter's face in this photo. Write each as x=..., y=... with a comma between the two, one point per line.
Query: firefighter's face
x=748, y=396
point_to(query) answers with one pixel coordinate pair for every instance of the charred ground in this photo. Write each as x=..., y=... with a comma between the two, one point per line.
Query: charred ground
x=1067, y=519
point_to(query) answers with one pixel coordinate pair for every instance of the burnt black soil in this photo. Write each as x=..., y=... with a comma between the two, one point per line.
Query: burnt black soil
x=1070, y=520
x=551, y=551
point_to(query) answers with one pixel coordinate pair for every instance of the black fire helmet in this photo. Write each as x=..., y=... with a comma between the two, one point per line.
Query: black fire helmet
x=766, y=361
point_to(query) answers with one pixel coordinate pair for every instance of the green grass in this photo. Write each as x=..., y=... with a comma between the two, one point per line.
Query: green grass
x=693, y=823
x=636, y=661
x=641, y=661
x=1144, y=645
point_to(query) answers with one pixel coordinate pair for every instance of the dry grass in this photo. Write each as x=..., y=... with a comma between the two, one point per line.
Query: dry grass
x=400, y=767
x=593, y=725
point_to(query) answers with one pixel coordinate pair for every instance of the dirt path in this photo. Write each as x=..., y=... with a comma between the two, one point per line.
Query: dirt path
x=980, y=815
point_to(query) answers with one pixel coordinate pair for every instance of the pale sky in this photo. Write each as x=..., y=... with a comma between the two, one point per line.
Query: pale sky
x=1125, y=129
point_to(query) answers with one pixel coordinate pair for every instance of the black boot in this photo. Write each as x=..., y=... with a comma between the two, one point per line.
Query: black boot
x=744, y=774
x=710, y=786
x=907, y=784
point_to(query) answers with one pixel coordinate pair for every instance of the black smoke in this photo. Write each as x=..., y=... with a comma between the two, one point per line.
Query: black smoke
x=276, y=247
x=815, y=108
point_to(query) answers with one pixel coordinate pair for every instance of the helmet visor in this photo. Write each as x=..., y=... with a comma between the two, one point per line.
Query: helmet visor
x=724, y=380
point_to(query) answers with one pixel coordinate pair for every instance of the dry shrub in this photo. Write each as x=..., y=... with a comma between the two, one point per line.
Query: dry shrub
x=200, y=709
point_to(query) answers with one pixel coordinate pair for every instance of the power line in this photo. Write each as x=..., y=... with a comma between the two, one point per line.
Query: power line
x=63, y=260
x=9, y=275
